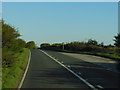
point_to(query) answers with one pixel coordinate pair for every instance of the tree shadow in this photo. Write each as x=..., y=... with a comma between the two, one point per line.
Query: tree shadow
x=96, y=74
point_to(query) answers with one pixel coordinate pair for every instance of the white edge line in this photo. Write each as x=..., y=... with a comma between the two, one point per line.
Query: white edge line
x=87, y=83
x=99, y=86
x=79, y=73
x=20, y=85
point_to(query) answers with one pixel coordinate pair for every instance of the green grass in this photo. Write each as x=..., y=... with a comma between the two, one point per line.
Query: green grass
x=112, y=55
x=0, y=68
x=12, y=76
x=115, y=56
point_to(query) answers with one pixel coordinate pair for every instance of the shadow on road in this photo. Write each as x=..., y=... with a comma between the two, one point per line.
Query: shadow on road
x=96, y=74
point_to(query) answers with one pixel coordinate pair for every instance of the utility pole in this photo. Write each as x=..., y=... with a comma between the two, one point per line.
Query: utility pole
x=63, y=46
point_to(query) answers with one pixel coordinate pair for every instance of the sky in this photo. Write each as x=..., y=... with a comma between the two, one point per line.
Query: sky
x=0, y=10
x=60, y=0
x=56, y=22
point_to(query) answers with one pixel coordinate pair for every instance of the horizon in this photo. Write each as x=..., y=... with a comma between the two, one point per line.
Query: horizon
x=58, y=22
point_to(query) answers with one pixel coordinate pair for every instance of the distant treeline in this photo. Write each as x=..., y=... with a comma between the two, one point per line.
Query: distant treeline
x=89, y=46
x=12, y=44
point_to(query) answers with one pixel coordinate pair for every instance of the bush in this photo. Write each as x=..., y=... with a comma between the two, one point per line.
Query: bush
x=118, y=50
x=117, y=40
x=30, y=45
x=9, y=44
x=8, y=58
x=44, y=45
x=92, y=42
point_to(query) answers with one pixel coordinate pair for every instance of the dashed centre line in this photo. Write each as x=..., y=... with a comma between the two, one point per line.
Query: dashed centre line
x=99, y=86
x=78, y=76
x=79, y=73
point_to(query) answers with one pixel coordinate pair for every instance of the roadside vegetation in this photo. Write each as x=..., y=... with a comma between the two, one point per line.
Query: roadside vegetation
x=15, y=52
x=91, y=47
x=12, y=75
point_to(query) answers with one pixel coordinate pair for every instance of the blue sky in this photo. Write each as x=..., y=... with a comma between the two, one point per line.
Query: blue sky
x=60, y=0
x=54, y=22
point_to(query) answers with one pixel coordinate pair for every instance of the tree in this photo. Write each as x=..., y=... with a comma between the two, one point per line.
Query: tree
x=9, y=34
x=101, y=44
x=9, y=37
x=18, y=45
x=92, y=42
x=0, y=33
x=117, y=40
x=30, y=45
x=44, y=45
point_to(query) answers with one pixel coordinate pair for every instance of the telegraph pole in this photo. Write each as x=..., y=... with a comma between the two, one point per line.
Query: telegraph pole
x=63, y=46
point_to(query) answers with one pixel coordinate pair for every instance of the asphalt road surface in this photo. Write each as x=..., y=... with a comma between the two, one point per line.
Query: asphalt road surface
x=50, y=69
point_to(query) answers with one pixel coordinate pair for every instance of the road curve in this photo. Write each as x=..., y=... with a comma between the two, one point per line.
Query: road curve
x=44, y=72
x=102, y=75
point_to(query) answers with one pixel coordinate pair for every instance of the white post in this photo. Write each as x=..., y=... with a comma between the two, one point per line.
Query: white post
x=63, y=45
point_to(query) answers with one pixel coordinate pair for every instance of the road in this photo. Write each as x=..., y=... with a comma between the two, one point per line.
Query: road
x=50, y=69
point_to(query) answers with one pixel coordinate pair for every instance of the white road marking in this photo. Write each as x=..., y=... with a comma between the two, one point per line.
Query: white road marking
x=99, y=86
x=21, y=83
x=94, y=61
x=61, y=62
x=68, y=66
x=87, y=83
x=79, y=73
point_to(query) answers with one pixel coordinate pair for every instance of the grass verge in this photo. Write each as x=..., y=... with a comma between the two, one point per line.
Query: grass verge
x=11, y=76
x=114, y=56
x=0, y=68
